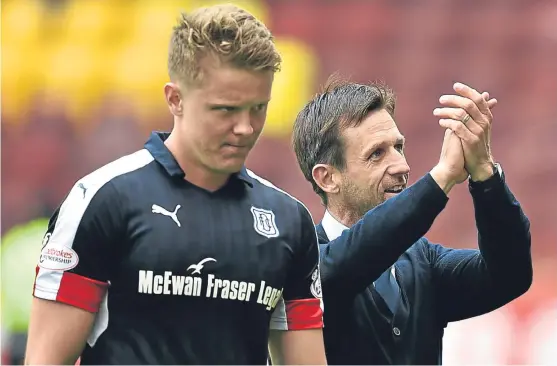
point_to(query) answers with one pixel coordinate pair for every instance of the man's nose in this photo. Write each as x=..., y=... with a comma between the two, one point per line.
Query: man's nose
x=243, y=125
x=399, y=165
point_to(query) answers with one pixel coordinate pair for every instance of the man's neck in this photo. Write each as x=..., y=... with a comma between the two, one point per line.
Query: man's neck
x=196, y=174
x=343, y=215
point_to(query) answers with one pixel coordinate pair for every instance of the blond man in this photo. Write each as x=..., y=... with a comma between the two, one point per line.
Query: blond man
x=177, y=254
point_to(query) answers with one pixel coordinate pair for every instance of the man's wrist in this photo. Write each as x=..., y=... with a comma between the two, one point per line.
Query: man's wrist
x=442, y=178
x=483, y=173
x=489, y=185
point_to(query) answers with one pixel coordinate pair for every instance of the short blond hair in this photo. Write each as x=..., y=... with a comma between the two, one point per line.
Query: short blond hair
x=232, y=34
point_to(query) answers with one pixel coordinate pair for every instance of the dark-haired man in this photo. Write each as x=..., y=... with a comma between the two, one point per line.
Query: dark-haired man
x=389, y=292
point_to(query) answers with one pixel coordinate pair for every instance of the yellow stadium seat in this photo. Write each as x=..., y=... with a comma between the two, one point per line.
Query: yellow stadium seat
x=76, y=72
x=20, y=80
x=139, y=70
x=106, y=22
x=120, y=23
x=21, y=20
x=293, y=86
x=153, y=21
x=87, y=20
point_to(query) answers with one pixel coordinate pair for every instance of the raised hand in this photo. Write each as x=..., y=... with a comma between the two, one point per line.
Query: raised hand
x=468, y=115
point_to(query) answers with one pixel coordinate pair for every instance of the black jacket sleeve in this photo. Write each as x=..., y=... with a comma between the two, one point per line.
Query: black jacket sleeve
x=475, y=282
x=354, y=260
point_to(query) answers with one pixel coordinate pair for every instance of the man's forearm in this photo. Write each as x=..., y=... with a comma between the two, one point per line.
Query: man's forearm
x=503, y=235
x=297, y=347
x=476, y=282
x=443, y=180
x=359, y=256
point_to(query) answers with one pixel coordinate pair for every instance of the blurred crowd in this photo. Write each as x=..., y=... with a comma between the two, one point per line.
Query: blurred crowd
x=82, y=84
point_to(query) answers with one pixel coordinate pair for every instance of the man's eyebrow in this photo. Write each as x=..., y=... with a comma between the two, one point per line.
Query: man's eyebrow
x=372, y=147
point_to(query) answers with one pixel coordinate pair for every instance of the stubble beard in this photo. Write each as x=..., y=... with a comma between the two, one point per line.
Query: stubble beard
x=358, y=201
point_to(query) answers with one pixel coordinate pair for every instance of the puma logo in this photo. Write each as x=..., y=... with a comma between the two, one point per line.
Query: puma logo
x=83, y=188
x=156, y=209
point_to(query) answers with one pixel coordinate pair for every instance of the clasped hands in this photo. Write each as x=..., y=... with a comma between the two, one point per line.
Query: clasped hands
x=467, y=118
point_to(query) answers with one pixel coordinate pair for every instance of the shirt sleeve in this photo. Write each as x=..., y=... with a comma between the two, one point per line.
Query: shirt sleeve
x=301, y=305
x=80, y=247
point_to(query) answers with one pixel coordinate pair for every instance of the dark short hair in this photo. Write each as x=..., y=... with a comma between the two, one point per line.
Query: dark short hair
x=317, y=135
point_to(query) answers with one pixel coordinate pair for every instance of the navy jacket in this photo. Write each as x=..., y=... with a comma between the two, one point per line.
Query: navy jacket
x=438, y=285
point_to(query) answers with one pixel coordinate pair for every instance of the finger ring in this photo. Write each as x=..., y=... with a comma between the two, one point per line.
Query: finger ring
x=466, y=118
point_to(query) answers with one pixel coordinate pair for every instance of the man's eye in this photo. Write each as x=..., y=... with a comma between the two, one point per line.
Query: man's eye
x=224, y=108
x=400, y=147
x=260, y=107
x=376, y=154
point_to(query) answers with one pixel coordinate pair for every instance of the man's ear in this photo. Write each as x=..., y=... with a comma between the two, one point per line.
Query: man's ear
x=326, y=177
x=173, y=97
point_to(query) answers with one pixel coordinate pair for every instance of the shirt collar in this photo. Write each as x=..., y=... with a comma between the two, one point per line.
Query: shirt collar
x=333, y=228
x=244, y=176
x=155, y=145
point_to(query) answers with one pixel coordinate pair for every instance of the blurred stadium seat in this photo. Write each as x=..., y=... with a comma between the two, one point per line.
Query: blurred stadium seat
x=76, y=72
x=293, y=86
x=21, y=26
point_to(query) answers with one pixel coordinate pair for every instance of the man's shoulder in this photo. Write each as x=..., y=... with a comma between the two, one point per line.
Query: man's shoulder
x=93, y=199
x=123, y=165
x=417, y=251
x=89, y=186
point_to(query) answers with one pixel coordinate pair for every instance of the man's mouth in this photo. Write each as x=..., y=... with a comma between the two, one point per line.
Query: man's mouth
x=236, y=147
x=395, y=189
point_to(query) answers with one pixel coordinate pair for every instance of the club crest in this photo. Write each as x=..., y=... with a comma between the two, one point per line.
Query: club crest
x=264, y=222
x=316, y=284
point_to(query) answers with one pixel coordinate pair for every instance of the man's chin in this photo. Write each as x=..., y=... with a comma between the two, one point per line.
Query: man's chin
x=231, y=165
x=390, y=195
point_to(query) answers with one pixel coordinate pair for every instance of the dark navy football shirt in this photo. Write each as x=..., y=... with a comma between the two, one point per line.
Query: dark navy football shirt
x=177, y=274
